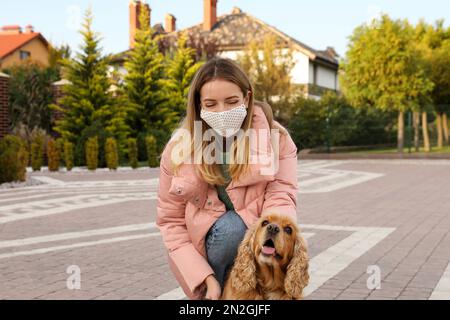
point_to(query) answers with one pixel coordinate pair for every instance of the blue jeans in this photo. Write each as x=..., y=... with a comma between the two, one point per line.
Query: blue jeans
x=222, y=242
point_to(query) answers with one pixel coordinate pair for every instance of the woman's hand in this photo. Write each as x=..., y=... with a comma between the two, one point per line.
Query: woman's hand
x=213, y=291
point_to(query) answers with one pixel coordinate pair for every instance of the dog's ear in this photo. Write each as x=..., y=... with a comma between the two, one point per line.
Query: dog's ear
x=297, y=275
x=243, y=273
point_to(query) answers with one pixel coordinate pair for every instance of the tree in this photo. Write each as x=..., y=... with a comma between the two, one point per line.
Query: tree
x=30, y=95
x=57, y=54
x=432, y=43
x=440, y=75
x=180, y=69
x=87, y=100
x=383, y=69
x=438, y=41
x=269, y=67
x=142, y=89
x=428, y=41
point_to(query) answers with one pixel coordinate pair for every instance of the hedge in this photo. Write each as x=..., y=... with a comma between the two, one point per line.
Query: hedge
x=13, y=159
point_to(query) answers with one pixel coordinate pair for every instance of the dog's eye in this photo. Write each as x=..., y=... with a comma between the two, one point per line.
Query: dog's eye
x=265, y=223
x=288, y=230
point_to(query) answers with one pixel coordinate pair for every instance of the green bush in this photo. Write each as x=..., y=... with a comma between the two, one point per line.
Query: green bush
x=92, y=153
x=307, y=125
x=152, y=152
x=132, y=152
x=52, y=155
x=142, y=146
x=314, y=123
x=60, y=147
x=112, y=155
x=161, y=136
x=13, y=159
x=68, y=155
x=94, y=130
x=37, y=153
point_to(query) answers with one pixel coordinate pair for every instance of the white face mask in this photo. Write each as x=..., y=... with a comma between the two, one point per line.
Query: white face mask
x=225, y=123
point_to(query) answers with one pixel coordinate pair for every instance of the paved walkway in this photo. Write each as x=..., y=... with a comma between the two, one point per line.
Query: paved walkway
x=92, y=235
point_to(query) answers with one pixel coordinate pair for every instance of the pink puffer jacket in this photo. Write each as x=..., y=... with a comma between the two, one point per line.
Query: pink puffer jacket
x=188, y=206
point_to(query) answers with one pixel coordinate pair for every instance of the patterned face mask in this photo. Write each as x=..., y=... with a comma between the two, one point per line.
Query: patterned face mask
x=225, y=123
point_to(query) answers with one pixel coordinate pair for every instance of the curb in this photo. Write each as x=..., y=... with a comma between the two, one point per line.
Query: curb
x=350, y=156
x=44, y=169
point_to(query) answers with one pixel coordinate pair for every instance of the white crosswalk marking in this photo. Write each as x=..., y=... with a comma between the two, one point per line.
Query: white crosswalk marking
x=73, y=203
x=442, y=290
x=76, y=245
x=75, y=235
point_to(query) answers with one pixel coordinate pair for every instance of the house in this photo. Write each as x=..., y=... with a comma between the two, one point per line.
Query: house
x=17, y=46
x=315, y=70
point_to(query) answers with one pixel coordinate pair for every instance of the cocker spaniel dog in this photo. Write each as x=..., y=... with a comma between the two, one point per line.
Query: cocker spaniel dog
x=271, y=263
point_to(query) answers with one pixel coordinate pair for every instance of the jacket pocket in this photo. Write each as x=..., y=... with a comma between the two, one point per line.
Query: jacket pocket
x=190, y=191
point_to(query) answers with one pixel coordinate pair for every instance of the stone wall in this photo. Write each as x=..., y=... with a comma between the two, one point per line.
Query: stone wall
x=4, y=115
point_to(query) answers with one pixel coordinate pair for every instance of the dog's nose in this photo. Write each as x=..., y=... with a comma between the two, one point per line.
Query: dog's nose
x=273, y=229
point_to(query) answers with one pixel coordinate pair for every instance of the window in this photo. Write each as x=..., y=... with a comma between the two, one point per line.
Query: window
x=315, y=73
x=24, y=55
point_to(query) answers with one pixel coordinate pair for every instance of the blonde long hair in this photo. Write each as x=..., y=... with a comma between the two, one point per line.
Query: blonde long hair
x=225, y=69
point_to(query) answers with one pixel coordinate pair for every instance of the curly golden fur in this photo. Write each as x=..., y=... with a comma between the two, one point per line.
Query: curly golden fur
x=279, y=271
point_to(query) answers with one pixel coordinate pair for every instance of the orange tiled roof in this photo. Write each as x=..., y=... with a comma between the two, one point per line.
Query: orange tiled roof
x=11, y=42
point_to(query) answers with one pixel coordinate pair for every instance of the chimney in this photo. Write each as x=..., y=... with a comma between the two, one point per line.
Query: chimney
x=171, y=23
x=210, y=14
x=29, y=29
x=332, y=52
x=236, y=10
x=7, y=30
x=135, y=8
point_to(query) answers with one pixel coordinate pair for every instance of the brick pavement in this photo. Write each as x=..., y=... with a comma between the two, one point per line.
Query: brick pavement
x=391, y=214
